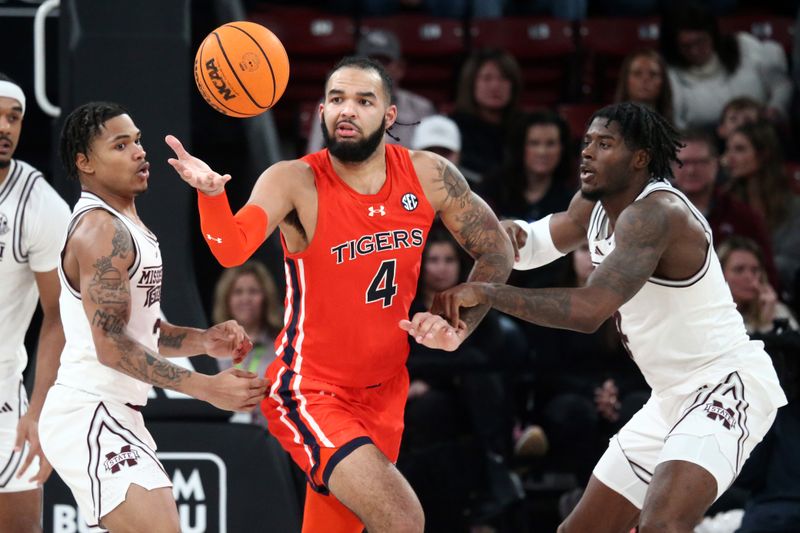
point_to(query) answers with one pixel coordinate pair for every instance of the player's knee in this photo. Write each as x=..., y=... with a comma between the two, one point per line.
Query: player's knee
x=406, y=517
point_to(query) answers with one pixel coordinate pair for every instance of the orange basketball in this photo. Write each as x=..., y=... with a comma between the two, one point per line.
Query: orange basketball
x=241, y=69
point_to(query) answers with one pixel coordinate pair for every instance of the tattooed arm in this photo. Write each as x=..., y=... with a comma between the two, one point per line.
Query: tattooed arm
x=227, y=339
x=100, y=250
x=642, y=233
x=470, y=221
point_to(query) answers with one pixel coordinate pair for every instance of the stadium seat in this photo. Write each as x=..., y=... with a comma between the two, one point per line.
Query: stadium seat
x=577, y=117
x=604, y=43
x=780, y=29
x=545, y=49
x=433, y=49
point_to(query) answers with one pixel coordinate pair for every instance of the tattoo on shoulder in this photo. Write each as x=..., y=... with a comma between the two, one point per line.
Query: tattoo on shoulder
x=122, y=241
x=454, y=183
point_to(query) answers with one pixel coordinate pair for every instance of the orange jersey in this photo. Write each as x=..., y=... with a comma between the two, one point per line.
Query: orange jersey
x=347, y=291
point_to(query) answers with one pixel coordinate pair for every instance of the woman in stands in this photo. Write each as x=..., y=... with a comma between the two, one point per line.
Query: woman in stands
x=754, y=162
x=248, y=294
x=643, y=79
x=743, y=267
x=487, y=100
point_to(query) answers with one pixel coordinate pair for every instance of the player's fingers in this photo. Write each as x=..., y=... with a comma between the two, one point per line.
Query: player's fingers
x=176, y=146
x=238, y=372
x=258, y=384
x=25, y=464
x=406, y=325
x=453, y=312
x=512, y=236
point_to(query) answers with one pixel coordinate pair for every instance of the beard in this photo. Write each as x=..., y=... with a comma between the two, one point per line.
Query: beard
x=353, y=151
x=593, y=196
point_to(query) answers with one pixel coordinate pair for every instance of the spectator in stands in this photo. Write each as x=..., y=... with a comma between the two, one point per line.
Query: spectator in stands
x=439, y=134
x=437, y=8
x=457, y=395
x=754, y=163
x=248, y=294
x=643, y=79
x=727, y=215
x=383, y=46
x=487, y=101
x=739, y=111
x=707, y=69
x=743, y=267
x=537, y=177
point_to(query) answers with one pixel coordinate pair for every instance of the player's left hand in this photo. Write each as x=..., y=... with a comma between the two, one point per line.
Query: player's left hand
x=28, y=431
x=227, y=339
x=433, y=331
x=447, y=303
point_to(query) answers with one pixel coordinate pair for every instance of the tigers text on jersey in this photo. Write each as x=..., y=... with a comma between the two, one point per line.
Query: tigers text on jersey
x=80, y=368
x=33, y=219
x=680, y=333
x=347, y=292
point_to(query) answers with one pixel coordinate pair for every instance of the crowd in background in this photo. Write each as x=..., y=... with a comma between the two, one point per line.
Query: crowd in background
x=522, y=412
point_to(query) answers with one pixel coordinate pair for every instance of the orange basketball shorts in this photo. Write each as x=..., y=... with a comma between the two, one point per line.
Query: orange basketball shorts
x=320, y=424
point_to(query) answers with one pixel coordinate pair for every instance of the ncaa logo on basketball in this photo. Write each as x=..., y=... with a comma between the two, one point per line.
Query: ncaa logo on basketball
x=3, y=224
x=409, y=201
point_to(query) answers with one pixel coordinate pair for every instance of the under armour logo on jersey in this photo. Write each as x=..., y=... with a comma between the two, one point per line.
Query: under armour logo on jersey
x=409, y=201
x=717, y=411
x=598, y=251
x=3, y=224
x=381, y=210
x=217, y=240
x=126, y=456
x=6, y=408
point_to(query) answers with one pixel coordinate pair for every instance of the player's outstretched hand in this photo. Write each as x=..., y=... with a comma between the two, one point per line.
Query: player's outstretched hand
x=195, y=171
x=227, y=339
x=516, y=234
x=235, y=390
x=433, y=331
x=447, y=303
x=28, y=431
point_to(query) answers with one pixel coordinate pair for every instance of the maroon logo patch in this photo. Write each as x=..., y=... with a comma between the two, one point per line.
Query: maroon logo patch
x=126, y=456
x=716, y=411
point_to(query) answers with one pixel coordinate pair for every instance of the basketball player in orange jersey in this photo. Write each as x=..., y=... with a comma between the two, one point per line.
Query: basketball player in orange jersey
x=715, y=392
x=353, y=220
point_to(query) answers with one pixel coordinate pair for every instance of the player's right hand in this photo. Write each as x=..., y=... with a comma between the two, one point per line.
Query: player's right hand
x=195, y=171
x=236, y=390
x=516, y=234
x=28, y=431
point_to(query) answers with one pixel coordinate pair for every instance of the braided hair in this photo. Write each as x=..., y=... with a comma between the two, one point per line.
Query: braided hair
x=80, y=128
x=643, y=128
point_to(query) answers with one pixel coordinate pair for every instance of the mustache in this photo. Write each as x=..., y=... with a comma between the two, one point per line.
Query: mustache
x=4, y=137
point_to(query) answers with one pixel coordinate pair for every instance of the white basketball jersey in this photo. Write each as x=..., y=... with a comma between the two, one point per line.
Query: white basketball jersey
x=80, y=367
x=33, y=220
x=680, y=333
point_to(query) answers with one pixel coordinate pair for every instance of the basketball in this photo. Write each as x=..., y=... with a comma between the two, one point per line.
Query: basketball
x=241, y=69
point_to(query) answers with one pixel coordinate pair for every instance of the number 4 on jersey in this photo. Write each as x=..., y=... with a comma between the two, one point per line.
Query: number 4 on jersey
x=382, y=288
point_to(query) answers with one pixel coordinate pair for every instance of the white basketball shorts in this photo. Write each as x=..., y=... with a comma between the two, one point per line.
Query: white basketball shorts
x=98, y=448
x=717, y=428
x=13, y=404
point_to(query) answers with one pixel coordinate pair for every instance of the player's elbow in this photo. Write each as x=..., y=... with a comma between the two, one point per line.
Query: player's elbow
x=107, y=352
x=589, y=325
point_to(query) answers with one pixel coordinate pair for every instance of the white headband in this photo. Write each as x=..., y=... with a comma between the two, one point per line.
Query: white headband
x=10, y=89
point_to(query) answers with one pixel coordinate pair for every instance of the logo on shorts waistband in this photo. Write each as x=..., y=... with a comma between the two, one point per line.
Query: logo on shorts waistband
x=716, y=411
x=125, y=456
